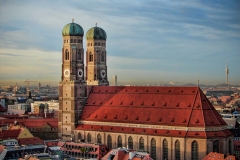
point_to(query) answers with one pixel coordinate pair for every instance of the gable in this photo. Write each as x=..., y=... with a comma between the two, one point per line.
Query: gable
x=25, y=133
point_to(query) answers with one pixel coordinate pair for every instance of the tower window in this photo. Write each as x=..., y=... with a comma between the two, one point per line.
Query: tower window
x=91, y=44
x=95, y=44
x=75, y=40
x=90, y=57
x=66, y=54
x=79, y=41
x=67, y=41
x=102, y=57
x=79, y=55
x=64, y=41
x=88, y=44
x=102, y=44
x=71, y=41
x=98, y=44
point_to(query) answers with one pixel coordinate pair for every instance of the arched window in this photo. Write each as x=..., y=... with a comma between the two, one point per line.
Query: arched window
x=99, y=139
x=177, y=150
x=79, y=136
x=89, y=137
x=66, y=54
x=141, y=144
x=165, y=149
x=109, y=141
x=102, y=57
x=153, y=149
x=194, y=150
x=79, y=55
x=119, y=142
x=229, y=146
x=130, y=142
x=90, y=57
x=216, y=146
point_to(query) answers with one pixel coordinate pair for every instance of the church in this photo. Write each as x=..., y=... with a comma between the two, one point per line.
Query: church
x=173, y=123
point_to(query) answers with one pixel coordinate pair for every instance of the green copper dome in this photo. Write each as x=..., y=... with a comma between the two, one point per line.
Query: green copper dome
x=72, y=29
x=96, y=33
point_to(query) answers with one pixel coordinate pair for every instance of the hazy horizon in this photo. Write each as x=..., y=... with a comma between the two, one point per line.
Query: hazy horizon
x=148, y=42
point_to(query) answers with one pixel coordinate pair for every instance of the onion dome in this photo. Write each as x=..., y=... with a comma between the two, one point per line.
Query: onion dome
x=96, y=33
x=72, y=29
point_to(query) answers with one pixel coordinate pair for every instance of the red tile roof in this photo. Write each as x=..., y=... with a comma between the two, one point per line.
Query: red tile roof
x=10, y=134
x=225, y=99
x=33, y=122
x=218, y=156
x=27, y=141
x=169, y=106
x=52, y=143
x=124, y=154
x=184, y=106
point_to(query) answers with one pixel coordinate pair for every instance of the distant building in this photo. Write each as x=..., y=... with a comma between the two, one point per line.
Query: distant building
x=78, y=149
x=19, y=106
x=44, y=128
x=11, y=149
x=114, y=80
x=236, y=133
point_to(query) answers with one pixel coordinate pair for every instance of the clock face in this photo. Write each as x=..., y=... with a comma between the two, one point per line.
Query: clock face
x=66, y=73
x=103, y=73
x=80, y=73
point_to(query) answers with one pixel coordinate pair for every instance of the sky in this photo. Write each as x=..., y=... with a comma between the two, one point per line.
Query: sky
x=148, y=41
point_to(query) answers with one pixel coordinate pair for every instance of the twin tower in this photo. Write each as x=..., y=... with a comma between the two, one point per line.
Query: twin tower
x=74, y=81
x=73, y=55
